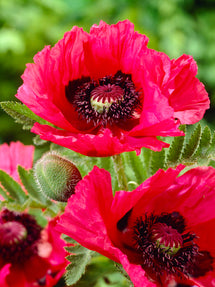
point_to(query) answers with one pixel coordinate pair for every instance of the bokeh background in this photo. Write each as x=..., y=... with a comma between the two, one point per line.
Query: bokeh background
x=173, y=26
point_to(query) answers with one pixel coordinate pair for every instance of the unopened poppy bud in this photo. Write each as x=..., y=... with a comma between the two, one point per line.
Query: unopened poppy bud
x=56, y=176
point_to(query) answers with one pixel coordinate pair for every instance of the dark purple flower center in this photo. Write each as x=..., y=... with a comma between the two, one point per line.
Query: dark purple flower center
x=106, y=101
x=19, y=234
x=165, y=246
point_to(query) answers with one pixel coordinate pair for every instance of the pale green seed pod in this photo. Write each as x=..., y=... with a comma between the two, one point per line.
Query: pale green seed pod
x=56, y=176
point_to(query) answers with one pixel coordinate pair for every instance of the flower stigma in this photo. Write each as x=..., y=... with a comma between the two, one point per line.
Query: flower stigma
x=102, y=97
x=168, y=239
x=12, y=232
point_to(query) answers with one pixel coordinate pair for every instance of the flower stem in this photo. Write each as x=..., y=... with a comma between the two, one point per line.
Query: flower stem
x=120, y=172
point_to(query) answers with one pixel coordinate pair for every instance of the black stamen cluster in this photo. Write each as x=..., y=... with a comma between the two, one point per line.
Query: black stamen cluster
x=78, y=92
x=27, y=248
x=158, y=260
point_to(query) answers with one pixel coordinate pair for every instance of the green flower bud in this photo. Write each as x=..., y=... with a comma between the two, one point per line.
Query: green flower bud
x=56, y=176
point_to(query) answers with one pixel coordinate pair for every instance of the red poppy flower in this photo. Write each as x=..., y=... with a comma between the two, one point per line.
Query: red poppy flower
x=29, y=255
x=13, y=155
x=108, y=93
x=162, y=232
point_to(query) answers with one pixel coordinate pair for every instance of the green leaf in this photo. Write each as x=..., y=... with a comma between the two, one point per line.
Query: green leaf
x=13, y=205
x=102, y=272
x=212, y=147
x=193, y=143
x=78, y=264
x=157, y=161
x=22, y=114
x=68, y=239
x=176, y=147
x=28, y=180
x=12, y=187
x=205, y=142
x=4, y=194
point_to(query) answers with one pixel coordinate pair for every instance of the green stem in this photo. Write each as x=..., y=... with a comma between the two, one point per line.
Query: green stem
x=120, y=172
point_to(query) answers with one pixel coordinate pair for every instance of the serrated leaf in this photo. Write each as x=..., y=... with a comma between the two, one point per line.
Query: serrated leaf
x=22, y=114
x=157, y=161
x=205, y=142
x=176, y=147
x=68, y=239
x=212, y=147
x=101, y=272
x=193, y=143
x=4, y=194
x=77, y=249
x=12, y=187
x=77, y=267
x=28, y=180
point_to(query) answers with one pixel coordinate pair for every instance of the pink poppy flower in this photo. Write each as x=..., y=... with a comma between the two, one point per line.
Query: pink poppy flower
x=30, y=256
x=14, y=154
x=107, y=93
x=163, y=232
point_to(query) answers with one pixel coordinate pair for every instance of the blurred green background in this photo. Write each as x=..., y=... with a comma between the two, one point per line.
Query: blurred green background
x=173, y=26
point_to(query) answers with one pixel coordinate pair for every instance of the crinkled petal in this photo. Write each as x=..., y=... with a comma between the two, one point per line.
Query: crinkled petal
x=135, y=272
x=43, y=90
x=58, y=254
x=188, y=97
x=149, y=142
x=94, y=193
x=193, y=193
x=103, y=144
x=167, y=127
x=112, y=48
x=15, y=154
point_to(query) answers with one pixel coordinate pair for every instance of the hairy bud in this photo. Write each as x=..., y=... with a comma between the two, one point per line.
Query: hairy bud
x=56, y=176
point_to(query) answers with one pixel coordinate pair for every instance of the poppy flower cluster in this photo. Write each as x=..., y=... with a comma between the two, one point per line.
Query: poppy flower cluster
x=103, y=93
x=106, y=92
x=163, y=232
x=30, y=256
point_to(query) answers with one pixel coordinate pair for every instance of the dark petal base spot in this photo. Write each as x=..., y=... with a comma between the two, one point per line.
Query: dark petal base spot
x=123, y=222
x=203, y=264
